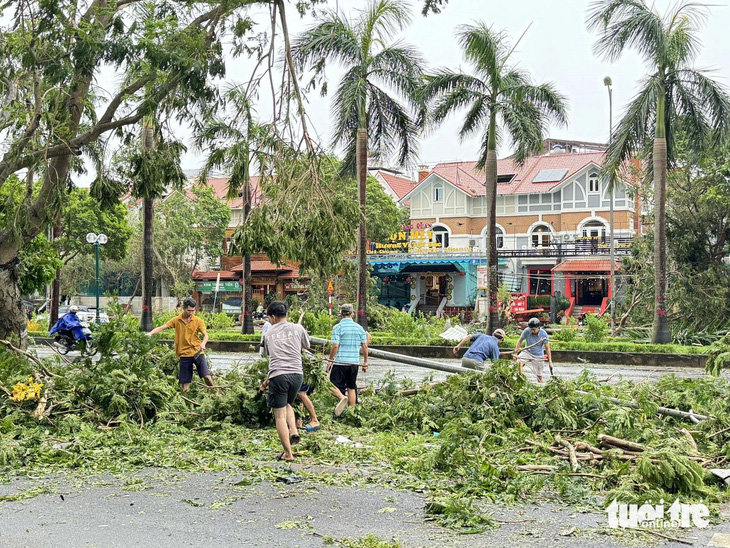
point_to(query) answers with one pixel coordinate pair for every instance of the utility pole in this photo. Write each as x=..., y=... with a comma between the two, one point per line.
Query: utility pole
x=608, y=83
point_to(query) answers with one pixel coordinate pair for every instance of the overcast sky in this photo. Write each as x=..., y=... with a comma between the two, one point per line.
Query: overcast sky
x=557, y=47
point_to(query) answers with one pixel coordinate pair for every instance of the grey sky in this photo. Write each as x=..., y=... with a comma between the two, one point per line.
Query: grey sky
x=557, y=47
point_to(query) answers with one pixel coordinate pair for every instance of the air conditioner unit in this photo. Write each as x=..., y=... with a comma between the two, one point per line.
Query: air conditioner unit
x=567, y=237
x=472, y=243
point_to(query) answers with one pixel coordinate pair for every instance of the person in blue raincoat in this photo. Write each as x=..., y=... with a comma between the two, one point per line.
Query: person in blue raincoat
x=67, y=323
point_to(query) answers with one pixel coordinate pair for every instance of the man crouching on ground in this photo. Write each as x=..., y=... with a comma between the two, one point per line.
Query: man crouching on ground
x=483, y=348
x=189, y=349
x=283, y=344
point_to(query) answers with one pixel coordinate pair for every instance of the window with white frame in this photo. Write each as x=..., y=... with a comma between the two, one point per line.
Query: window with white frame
x=541, y=236
x=593, y=184
x=595, y=230
x=438, y=192
x=499, y=236
x=441, y=236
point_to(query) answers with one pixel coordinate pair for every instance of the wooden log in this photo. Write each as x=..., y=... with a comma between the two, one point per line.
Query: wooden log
x=571, y=452
x=536, y=468
x=623, y=444
x=580, y=445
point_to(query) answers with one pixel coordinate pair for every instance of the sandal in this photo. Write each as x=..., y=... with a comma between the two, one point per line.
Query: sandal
x=294, y=439
x=309, y=428
x=280, y=456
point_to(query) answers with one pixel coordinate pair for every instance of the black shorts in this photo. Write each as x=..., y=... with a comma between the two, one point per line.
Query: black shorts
x=308, y=389
x=344, y=376
x=186, y=368
x=283, y=390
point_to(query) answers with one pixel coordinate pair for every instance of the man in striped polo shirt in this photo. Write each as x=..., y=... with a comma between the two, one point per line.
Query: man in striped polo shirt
x=347, y=338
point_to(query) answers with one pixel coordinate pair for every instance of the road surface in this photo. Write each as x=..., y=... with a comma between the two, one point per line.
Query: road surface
x=379, y=368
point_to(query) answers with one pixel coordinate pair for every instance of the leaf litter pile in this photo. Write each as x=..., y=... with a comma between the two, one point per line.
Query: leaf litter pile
x=475, y=438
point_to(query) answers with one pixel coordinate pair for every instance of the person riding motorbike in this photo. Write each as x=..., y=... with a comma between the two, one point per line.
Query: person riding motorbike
x=69, y=329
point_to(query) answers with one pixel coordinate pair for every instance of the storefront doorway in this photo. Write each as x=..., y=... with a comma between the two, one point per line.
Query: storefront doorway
x=437, y=288
x=591, y=291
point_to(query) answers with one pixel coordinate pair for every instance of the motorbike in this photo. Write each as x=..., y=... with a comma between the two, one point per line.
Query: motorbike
x=77, y=338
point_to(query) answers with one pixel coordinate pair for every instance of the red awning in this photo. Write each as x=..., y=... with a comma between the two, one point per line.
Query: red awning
x=585, y=265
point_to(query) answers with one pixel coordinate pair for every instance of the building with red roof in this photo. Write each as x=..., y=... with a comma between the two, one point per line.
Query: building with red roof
x=551, y=208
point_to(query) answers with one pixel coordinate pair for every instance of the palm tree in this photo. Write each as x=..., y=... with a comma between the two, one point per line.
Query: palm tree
x=368, y=118
x=154, y=167
x=501, y=101
x=236, y=147
x=674, y=91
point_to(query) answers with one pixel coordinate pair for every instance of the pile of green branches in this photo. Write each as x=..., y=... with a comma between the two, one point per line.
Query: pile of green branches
x=718, y=357
x=490, y=436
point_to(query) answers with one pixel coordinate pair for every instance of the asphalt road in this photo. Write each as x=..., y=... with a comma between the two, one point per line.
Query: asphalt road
x=224, y=361
x=170, y=509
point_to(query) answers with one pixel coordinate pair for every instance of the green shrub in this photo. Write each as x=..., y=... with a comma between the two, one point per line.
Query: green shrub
x=318, y=324
x=566, y=335
x=207, y=317
x=596, y=329
x=163, y=317
x=402, y=324
x=562, y=305
x=539, y=301
x=379, y=315
x=221, y=321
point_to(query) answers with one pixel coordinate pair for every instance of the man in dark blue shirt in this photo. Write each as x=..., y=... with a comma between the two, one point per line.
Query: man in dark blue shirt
x=484, y=347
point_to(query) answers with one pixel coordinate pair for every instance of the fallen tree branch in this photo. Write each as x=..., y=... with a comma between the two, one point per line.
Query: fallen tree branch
x=28, y=355
x=619, y=443
x=571, y=452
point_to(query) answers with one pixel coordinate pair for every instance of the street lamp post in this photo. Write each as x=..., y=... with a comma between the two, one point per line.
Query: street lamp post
x=97, y=240
x=608, y=83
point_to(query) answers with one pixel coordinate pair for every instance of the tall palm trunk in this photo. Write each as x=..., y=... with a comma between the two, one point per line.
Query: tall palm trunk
x=490, y=169
x=662, y=334
x=147, y=245
x=361, y=161
x=246, y=304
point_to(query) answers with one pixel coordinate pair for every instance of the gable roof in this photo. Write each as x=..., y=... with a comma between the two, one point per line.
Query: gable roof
x=399, y=185
x=220, y=190
x=466, y=177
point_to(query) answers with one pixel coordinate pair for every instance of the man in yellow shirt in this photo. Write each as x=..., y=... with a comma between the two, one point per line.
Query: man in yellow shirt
x=188, y=346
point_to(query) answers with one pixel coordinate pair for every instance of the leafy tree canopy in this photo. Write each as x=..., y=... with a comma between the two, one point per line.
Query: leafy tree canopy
x=297, y=221
x=83, y=214
x=38, y=264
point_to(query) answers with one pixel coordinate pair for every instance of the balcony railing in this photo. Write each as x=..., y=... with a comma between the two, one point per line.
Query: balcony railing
x=582, y=247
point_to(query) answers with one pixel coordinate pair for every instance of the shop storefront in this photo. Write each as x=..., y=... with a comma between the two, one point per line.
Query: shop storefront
x=227, y=297
x=585, y=282
x=427, y=283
